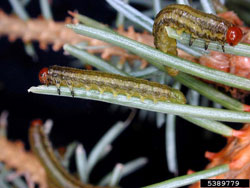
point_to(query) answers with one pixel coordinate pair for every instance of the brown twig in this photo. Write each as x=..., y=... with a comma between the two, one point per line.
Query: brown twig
x=14, y=155
x=49, y=32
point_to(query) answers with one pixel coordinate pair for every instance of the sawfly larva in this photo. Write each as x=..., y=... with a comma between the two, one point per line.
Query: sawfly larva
x=196, y=23
x=106, y=82
x=57, y=176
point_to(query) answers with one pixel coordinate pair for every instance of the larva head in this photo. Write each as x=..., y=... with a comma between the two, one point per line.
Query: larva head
x=234, y=35
x=36, y=122
x=43, y=75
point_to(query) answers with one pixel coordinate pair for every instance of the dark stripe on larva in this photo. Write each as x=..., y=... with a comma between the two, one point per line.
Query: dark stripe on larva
x=116, y=84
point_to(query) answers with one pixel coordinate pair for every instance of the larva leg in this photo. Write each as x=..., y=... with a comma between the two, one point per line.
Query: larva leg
x=142, y=98
x=49, y=81
x=72, y=92
x=101, y=90
x=223, y=48
x=155, y=100
x=172, y=71
x=87, y=87
x=180, y=31
x=114, y=93
x=206, y=44
x=191, y=40
x=128, y=96
x=69, y=85
x=58, y=87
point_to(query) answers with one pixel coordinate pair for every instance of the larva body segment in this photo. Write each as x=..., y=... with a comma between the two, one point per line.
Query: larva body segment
x=199, y=24
x=106, y=82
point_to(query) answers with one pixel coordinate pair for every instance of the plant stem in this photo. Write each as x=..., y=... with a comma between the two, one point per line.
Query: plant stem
x=164, y=107
x=191, y=178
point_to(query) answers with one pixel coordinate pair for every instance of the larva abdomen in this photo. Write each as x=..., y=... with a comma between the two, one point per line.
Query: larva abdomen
x=106, y=82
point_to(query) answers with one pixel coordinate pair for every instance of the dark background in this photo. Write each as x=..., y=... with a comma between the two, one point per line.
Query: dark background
x=85, y=120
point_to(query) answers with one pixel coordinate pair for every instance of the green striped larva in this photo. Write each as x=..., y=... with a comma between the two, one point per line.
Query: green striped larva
x=106, y=82
x=198, y=24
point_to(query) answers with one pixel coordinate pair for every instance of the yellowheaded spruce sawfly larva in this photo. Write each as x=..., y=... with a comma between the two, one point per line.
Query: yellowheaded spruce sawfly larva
x=198, y=24
x=57, y=176
x=106, y=82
